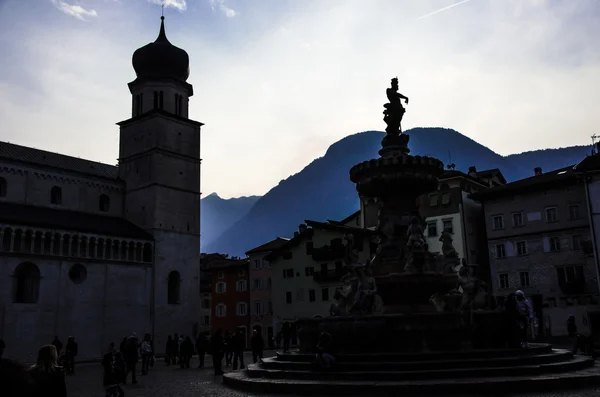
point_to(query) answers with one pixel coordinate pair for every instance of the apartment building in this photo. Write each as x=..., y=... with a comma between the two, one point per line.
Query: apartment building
x=261, y=305
x=538, y=236
x=306, y=270
x=230, y=294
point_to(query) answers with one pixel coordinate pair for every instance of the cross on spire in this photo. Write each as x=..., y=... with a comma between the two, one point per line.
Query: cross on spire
x=162, y=10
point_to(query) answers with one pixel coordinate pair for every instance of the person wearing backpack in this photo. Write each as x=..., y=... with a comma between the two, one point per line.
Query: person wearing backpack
x=146, y=353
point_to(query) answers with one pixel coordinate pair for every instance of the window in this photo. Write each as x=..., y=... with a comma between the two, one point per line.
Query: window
x=2, y=187
x=288, y=298
x=258, y=308
x=257, y=283
x=433, y=200
x=160, y=100
x=155, y=99
x=56, y=195
x=325, y=294
x=242, y=309
x=270, y=307
x=178, y=104
x=256, y=264
x=576, y=242
x=554, y=244
x=431, y=229
x=241, y=286
x=517, y=219
x=220, y=275
x=498, y=222
x=521, y=247
x=503, y=280
x=570, y=274
x=448, y=225
x=311, y=295
x=77, y=273
x=205, y=320
x=500, y=251
x=574, y=212
x=241, y=273
x=205, y=304
x=221, y=310
x=309, y=271
x=524, y=276
x=27, y=283
x=551, y=214
x=300, y=294
x=445, y=198
x=269, y=282
x=288, y=273
x=173, y=288
x=309, y=247
x=221, y=288
x=104, y=203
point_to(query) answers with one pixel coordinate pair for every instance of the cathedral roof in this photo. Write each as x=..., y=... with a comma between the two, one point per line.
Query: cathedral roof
x=161, y=59
x=27, y=155
x=28, y=215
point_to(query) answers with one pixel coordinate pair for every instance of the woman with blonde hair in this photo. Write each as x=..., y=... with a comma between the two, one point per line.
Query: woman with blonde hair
x=47, y=375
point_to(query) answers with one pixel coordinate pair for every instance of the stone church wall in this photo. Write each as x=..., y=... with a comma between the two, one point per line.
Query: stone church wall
x=112, y=301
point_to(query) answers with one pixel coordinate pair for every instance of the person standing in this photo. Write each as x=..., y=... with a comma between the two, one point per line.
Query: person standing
x=58, y=344
x=201, y=346
x=239, y=345
x=526, y=317
x=217, y=351
x=131, y=356
x=228, y=346
x=286, y=333
x=258, y=346
x=110, y=378
x=70, y=354
x=572, y=331
x=48, y=377
x=146, y=353
x=187, y=351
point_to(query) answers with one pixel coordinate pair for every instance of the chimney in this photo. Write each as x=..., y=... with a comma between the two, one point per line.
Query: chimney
x=295, y=234
x=472, y=170
x=302, y=227
x=597, y=144
x=537, y=171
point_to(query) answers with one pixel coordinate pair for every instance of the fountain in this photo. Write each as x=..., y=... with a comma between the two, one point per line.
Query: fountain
x=409, y=321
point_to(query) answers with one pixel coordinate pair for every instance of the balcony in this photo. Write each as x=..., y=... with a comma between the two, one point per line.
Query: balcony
x=328, y=253
x=328, y=277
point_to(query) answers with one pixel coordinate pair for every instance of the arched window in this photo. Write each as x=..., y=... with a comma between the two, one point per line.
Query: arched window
x=104, y=203
x=27, y=283
x=174, y=288
x=56, y=195
x=2, y=187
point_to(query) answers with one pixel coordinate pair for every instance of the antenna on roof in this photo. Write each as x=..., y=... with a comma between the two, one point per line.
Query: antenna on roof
x=450, y=165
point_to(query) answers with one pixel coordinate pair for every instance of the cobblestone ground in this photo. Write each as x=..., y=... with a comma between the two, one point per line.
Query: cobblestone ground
x=172, y=381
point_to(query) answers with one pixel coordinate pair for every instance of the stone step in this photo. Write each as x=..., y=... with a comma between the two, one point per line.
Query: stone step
x=353, y=366
x=533, y=349
x=574, y=364
x=426, y=387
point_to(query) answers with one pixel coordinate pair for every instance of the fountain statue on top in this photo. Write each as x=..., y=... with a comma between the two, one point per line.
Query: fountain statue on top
x=395, y=141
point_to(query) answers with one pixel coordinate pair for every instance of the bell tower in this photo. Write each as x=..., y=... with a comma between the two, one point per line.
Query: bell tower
x=159, y=161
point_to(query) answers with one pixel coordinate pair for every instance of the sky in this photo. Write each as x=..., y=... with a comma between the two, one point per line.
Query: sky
x=278, y=81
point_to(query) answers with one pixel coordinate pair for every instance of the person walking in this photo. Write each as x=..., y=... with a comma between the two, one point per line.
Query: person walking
x=217, y=349
x=239, y=345
x=146, y=353
x=201, y=347
x=257, y=344
x=70, y=354
x=286, y=333
x=131, y=356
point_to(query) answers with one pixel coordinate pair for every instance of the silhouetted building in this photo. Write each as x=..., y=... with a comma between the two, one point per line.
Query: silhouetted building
x=539, y=242
x=98, y=251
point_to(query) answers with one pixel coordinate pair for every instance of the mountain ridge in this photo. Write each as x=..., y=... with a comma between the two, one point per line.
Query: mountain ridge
x=322, y=189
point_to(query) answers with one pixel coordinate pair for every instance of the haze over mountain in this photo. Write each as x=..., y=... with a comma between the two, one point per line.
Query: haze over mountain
x=323, y=190
x=218, y=214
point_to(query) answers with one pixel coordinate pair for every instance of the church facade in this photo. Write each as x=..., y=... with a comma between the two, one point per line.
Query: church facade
x=97, y=251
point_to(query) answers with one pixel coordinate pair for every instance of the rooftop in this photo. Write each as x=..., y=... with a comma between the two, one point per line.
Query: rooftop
x=30, y=156
x=28, y=215
x=268, y=247
x=543, y=181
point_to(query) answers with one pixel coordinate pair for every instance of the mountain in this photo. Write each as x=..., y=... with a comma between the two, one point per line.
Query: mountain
x=218, y=214
x=323, y=190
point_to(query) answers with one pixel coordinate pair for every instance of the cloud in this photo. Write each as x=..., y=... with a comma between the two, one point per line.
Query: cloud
x=74, y=10
x=443, y=9
x=220, y=4
x=180, y=5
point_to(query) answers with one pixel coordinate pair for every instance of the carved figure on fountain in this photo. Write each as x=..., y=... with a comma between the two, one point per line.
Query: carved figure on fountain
x=449, y=254
x=366, y=298
x=474, y=290
x=394, y=111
